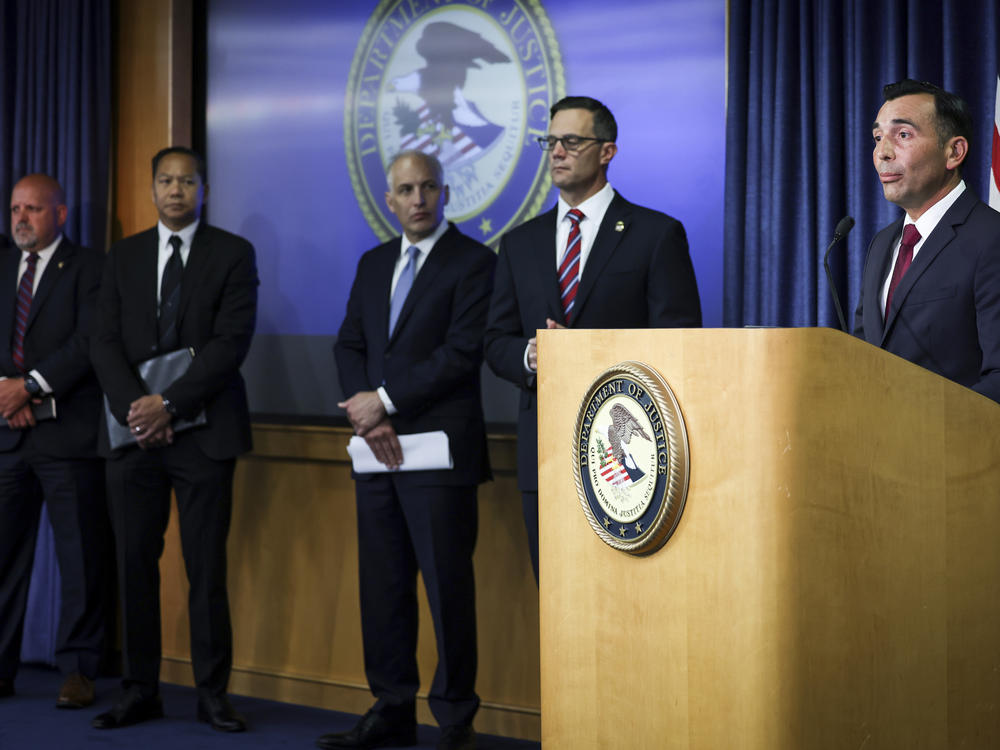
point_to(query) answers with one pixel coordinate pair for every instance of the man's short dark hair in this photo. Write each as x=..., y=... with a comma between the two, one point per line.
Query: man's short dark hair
x=198, y=161
x=952, y=116
x=605, y=126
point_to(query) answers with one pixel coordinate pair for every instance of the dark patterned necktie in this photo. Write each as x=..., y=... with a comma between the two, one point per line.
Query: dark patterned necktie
x=24, y=293
x=170, y=297
x=569, y=269
x=910, y=239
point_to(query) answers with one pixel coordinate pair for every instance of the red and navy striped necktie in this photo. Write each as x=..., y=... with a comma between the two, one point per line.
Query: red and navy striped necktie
x=24, y=293
x=569, y=269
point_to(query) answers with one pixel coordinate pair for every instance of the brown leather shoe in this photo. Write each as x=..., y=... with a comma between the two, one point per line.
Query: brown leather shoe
x=76, y=692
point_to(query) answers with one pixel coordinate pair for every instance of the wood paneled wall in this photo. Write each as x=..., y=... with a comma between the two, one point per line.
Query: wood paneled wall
x=292, y=548
x=293, y=586
x=152, y=69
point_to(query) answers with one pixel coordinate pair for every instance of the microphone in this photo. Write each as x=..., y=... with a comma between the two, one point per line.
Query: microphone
x=844, y=226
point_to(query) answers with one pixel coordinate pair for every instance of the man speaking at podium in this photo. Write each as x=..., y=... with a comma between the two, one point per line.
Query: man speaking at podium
x=931, y=286
x=593, y=261
x=408, y=355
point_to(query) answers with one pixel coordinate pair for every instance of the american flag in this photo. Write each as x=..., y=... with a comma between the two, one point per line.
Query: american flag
x=612, y=471
x=995, y=165
x=461, y=145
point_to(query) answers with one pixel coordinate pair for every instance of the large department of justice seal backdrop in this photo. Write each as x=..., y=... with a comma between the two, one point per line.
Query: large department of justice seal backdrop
x=631, y=458
x=470, y=82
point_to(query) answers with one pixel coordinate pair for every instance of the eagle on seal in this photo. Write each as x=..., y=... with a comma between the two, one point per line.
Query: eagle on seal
x=623, y=426
x=450, y=51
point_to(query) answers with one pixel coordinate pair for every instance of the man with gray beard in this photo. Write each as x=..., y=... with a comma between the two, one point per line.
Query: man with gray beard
x=48, y=291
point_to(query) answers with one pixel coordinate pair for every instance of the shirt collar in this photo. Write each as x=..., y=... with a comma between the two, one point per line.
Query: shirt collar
x=46, y=252
x=186, y=234
x=595, y=206
x=427, y=243
x=930, y=218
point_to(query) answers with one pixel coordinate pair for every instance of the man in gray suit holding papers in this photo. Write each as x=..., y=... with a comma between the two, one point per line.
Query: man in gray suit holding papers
x=408, y=356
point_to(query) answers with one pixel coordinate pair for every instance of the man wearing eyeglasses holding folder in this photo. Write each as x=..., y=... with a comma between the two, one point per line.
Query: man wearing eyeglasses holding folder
x=594, y=261
x=180, y=285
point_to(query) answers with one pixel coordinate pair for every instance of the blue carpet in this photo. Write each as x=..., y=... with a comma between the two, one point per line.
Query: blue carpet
x=30, y=721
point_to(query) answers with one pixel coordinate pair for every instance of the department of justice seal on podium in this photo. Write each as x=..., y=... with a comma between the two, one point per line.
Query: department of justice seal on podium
x=631, y=458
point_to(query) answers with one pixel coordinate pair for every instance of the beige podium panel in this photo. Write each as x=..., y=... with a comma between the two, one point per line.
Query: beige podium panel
x=833, y=582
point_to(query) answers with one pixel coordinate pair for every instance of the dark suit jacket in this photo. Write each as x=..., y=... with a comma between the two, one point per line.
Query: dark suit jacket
x=638, y=277
x=216, y=318
x=430, y=366
x=945, y=313
x=56, y=344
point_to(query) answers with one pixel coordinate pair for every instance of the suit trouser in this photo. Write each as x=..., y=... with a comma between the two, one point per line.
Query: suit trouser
x=73, y=490
x=139, y=484
x=401, y=530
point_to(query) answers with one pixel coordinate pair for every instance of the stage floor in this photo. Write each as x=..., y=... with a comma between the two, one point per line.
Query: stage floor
x=30, y=721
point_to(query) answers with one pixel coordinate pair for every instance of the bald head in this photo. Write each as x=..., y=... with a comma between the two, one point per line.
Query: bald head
x=429, y=161
x=37, y=212
x=45, y=185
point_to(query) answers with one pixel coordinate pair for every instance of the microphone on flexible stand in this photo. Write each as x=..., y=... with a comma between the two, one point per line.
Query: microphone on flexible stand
x=844, y=226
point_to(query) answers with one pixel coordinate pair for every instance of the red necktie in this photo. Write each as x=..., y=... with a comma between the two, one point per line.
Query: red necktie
x=910, y=238
x=569, y=269
x=24, y=292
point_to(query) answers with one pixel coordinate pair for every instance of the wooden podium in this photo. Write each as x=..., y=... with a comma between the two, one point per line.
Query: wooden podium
x=833, y=582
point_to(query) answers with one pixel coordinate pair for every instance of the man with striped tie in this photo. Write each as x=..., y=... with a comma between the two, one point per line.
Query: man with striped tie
x=594, y=261
x=48, y=291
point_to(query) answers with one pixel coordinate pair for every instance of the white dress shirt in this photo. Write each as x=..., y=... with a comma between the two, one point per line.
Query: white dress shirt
x=166, y=249
x=44, y=256
x=424, y=246
x=593, y=210
x=926, y=224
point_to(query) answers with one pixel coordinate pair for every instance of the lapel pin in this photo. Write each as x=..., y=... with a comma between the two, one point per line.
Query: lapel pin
x=620, y=226
x=62, y=263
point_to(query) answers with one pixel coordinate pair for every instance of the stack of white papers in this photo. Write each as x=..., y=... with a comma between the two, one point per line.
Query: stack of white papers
x=421, y=451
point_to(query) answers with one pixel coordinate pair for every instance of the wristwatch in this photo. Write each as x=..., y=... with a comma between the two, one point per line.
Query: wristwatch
x=171, y=409
x=32, y=386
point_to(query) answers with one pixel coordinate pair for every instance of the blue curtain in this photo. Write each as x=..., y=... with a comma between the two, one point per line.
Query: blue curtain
x=805, y=82
x=55, y=117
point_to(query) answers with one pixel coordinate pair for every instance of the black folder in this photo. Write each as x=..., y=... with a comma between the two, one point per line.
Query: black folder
x=157, y=374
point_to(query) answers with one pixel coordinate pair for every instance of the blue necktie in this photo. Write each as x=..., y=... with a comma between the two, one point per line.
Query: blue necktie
x=403, y=286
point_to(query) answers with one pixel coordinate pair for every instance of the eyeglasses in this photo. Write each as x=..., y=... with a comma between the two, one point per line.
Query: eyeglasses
x=569, y=142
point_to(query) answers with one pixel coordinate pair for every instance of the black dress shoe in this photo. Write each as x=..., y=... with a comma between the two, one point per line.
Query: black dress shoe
x=458, y=737
x=219, y=712
x=6, y=688
x=131, y=708
x=373, y=730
